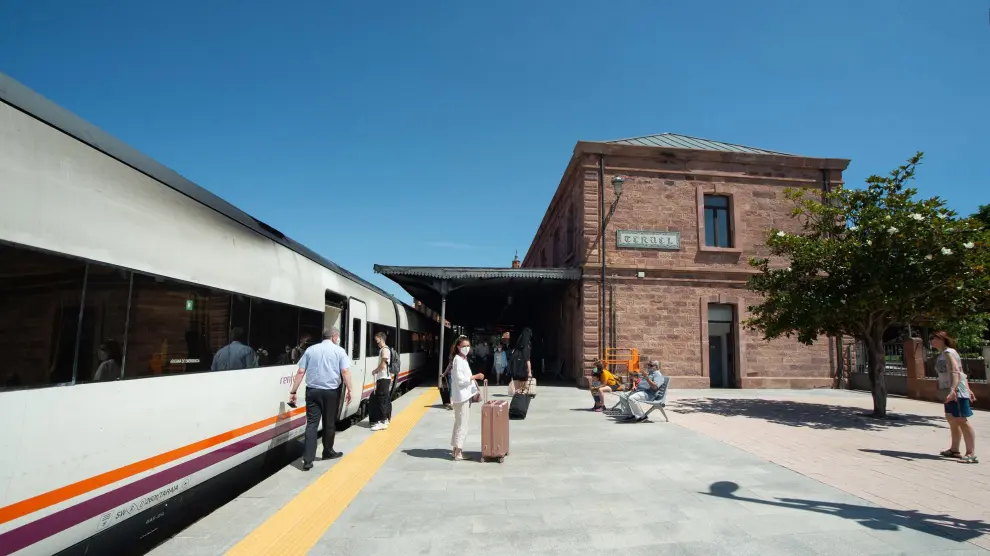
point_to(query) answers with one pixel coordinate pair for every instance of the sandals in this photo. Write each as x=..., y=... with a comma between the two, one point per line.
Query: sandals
x=971, y=458
x=950, y=454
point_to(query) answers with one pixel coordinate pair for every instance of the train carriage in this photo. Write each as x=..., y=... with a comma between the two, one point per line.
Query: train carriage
x=120, y=283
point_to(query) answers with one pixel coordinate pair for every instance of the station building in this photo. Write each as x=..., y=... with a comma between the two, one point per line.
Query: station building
x=691, y=214
x=680, y=228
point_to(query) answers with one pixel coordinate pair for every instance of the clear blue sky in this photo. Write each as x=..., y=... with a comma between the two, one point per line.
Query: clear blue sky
x=435, y=133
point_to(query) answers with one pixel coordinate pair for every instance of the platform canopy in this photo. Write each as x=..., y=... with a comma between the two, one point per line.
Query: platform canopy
x=483, y=297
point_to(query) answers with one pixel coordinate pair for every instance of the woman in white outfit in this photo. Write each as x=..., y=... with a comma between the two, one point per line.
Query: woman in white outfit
x=462, y=388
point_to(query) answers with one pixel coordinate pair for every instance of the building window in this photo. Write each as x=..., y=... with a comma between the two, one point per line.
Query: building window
x=718, y=232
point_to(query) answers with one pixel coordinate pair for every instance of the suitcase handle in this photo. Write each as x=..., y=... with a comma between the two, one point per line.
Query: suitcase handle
x=486, y=391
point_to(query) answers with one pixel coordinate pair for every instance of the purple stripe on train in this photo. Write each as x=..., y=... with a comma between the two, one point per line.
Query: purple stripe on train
x=30, y=533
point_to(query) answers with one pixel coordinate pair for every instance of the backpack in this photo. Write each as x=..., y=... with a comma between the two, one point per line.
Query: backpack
x=393, y=362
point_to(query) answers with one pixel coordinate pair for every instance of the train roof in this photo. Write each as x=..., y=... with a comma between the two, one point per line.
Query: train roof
x=24, y=99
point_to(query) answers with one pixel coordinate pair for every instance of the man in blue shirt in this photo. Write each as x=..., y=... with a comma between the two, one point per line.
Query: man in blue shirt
x=234, y=355
x=326, y=368
x=648, y=388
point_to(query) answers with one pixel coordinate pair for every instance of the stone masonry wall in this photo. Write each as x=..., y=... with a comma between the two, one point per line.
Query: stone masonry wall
x=668, y=322
x=661, y=313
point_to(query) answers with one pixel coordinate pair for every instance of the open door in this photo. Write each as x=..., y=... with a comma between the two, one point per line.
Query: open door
x=357, y=316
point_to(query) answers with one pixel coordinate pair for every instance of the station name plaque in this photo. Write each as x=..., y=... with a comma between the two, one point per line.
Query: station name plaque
x=642, y=239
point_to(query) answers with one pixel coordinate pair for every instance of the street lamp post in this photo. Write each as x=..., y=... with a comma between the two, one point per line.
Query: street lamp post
x=617, y=183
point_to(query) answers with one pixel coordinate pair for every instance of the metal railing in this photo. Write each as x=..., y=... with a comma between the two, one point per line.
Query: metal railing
x=975, y=368
x=893, y=353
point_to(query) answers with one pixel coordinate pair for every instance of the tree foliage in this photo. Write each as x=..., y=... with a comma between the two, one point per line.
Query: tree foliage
x=869, y=259
x=969, y=332
x=983, y=215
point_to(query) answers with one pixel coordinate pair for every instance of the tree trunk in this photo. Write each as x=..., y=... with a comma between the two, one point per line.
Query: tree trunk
x=877, y=366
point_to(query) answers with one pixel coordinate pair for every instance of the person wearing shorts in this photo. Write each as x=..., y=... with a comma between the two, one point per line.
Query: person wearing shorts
x=953, y=388
x=602, y=382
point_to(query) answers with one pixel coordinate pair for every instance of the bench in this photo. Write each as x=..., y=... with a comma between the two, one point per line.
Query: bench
x=658, y=401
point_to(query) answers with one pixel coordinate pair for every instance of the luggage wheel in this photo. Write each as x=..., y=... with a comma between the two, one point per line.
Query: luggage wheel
x=501, y=459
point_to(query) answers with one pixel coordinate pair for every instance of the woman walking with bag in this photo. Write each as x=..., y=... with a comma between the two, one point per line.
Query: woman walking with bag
x=463, y=389
x=520, y=367
x=953, y=389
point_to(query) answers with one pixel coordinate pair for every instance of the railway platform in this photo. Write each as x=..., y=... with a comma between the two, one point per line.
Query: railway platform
x=576, y=482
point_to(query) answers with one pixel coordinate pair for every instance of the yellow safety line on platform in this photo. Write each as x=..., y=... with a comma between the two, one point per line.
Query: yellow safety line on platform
x=295, y=528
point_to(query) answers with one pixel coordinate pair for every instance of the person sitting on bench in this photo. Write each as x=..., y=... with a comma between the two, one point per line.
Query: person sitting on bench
x=602, y=382
x=647, y=389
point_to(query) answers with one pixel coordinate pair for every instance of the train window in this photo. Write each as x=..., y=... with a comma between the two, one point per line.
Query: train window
x=240, y=316
x=273, y=332
x=311, y=324
x=356, y=338
x=174, y=327
x=103, y=333
x=407, y=343
x=40, y=298
x=375, y=328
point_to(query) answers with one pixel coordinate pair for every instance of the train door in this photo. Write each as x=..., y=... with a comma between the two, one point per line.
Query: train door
x=357, y=315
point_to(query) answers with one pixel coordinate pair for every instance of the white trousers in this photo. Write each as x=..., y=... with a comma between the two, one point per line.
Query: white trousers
x=462, y=415
x=630, y=404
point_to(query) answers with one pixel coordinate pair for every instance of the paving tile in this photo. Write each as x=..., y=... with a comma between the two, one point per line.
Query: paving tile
x=713, y=482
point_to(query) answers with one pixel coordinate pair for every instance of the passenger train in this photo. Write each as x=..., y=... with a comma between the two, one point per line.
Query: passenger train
x=120, y=281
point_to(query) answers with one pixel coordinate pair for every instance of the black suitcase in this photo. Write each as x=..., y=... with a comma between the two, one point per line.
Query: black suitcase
x=519, y=407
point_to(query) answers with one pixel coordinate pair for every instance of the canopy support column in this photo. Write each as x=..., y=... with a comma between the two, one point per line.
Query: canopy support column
x=444, y=289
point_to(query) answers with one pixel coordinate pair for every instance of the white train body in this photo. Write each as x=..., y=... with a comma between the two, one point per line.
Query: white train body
x=79, y=455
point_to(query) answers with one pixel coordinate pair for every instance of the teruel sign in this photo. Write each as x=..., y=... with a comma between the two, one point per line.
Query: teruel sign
x=643, y=239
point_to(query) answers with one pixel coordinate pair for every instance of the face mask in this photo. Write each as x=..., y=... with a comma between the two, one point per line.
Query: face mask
x=465, y=350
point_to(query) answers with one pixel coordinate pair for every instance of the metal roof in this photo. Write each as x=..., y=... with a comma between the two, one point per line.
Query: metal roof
x=461, y=273
x=676, y=141
x=484, y=296
x=24, y=99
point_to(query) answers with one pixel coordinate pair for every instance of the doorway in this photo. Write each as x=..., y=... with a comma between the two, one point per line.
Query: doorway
x=721, y=346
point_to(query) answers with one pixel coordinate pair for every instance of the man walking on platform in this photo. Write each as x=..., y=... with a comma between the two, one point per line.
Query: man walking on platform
x=326, y=368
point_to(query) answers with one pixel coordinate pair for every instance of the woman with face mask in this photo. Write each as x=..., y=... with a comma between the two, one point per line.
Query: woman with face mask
x=110, y=357
x=462, y=389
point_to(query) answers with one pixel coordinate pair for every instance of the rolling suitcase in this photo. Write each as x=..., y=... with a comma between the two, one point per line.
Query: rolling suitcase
x=494, y=429
x=519, y=407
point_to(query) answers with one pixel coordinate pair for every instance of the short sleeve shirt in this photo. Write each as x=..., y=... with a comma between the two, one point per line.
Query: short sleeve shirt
x=384, y=356
x=323, y=364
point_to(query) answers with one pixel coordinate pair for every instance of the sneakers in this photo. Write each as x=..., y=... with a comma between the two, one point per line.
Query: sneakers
x=380, y=426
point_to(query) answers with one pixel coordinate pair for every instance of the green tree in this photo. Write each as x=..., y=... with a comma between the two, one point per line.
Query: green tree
x=867, y=260
x=968, y=332
x=983, y=215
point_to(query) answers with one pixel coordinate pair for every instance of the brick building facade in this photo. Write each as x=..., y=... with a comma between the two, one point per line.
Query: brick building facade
x=691, y=214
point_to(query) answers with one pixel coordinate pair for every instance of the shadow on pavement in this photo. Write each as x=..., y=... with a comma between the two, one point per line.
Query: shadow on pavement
x=878, y=519
x=440, y=453
x=906, y=456
x=428, y=453
x=801, y=414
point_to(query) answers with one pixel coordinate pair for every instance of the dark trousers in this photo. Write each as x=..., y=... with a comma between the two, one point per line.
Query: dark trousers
x=380, y=407
x=320, y=405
